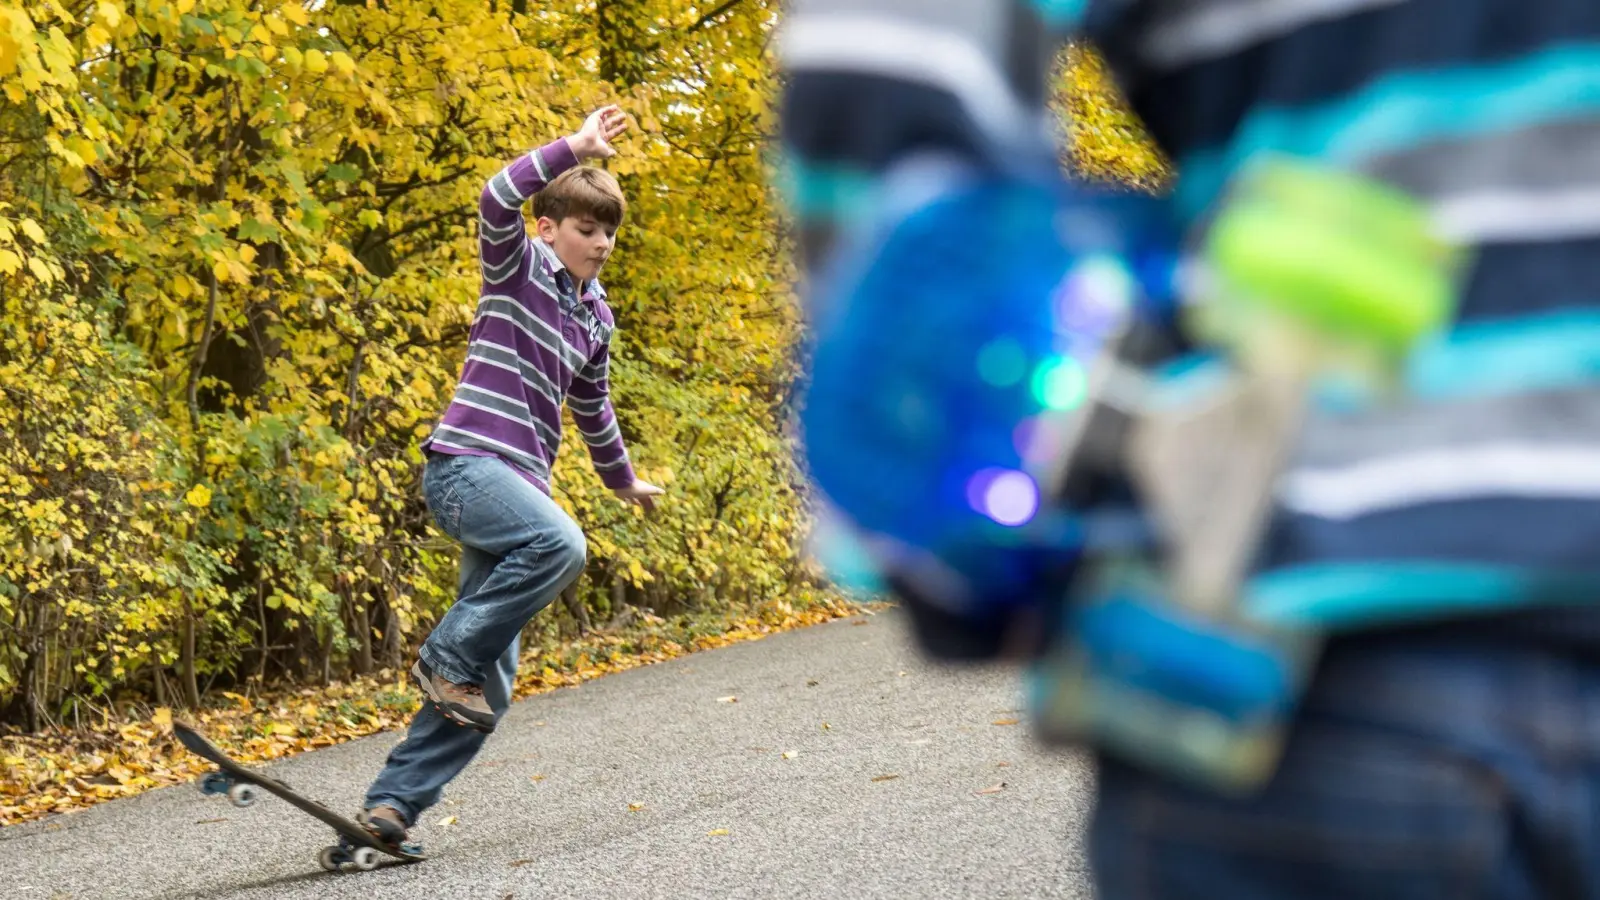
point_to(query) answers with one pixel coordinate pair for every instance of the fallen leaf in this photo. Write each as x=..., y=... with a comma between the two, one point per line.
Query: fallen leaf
x=1001, y=765
x=210, y=821
x=717, y=832
x=728, y=699
x=885, y=777
x=992, y=790
x=826, y=727
x=635, y=807
x=535, y=777
x=901, y=674
x=447, y=822
x=859, y=622
x=1005, y=721
x=162, y=718
x=46, y=775
x=790, y=754
x=519, y=863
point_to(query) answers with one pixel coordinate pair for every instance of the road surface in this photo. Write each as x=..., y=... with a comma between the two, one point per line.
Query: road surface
x=845, y=767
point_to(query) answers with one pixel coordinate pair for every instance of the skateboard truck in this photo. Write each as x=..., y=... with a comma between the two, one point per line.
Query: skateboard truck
x=239, y=793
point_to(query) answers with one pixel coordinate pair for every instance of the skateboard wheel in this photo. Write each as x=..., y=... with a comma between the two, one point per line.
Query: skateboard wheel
x=215, y=783
x=331, y=858
x=242, y=795
x=366, y=859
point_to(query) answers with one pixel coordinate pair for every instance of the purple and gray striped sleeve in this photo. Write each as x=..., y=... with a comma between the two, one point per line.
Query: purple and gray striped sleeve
x=502, y=230
x=590, y=402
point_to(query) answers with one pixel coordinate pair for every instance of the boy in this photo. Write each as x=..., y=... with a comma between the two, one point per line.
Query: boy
x=541, y=336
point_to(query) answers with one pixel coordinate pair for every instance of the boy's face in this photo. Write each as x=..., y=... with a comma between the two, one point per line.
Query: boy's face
x=581, y=243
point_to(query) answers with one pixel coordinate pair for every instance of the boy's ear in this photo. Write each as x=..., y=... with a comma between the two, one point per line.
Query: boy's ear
x=546, y=227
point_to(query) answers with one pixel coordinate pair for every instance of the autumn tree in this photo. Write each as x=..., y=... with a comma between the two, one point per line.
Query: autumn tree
x=236, y=247
x=236, y=276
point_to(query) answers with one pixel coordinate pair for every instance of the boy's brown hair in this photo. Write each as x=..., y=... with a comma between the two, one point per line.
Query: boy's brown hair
x=582, y=191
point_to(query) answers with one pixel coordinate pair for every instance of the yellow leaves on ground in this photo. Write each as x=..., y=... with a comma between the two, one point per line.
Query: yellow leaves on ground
x=60, y=772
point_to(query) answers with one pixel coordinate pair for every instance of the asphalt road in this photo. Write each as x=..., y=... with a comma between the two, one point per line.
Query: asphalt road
x=845, y=768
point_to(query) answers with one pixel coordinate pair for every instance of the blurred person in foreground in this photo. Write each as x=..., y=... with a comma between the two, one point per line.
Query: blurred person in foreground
x=1444, y=550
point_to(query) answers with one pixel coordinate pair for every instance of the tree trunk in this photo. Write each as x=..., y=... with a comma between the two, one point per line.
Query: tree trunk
x=190, y=683
x=619, y=592
x=580, y=613
x=392, y=651
x=261, y=619
x=326, y=675
x=29, y=701
x=363, y=623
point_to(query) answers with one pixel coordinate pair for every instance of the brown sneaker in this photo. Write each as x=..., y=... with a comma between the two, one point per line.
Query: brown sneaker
x=385, y=823
x=462, y=704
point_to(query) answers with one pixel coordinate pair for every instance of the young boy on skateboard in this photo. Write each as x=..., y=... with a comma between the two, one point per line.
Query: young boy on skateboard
x=541, y=337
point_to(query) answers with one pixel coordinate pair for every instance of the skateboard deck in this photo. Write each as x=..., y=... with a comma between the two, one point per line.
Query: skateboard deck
x=358, y=849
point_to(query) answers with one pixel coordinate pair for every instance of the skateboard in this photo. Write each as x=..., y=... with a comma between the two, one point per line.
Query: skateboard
x=357, y=848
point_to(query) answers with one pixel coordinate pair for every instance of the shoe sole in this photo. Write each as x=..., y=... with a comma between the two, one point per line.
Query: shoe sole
x=426, y=685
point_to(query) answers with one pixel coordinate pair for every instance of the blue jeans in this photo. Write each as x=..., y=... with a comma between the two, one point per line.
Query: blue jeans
x=519, y=550
x=1420, y=767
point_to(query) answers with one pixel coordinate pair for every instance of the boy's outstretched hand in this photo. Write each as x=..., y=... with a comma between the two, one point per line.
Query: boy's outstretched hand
x=640, y=492
x=593, y=140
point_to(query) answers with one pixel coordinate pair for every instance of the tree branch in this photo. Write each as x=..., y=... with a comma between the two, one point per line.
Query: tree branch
x=706, y=19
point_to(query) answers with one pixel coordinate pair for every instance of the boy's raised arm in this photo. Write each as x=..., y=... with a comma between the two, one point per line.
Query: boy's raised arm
x=502, y=230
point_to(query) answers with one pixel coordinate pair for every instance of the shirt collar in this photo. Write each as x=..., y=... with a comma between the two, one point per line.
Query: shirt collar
x=558, y=270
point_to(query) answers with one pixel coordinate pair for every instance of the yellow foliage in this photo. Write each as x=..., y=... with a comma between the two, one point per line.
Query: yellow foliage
x=237, y=269
x=247, y=296
x=1104, y=139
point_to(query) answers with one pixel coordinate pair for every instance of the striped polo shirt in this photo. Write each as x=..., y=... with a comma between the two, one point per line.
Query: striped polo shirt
x=538, y=340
